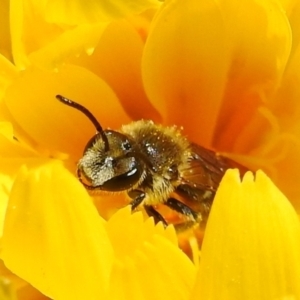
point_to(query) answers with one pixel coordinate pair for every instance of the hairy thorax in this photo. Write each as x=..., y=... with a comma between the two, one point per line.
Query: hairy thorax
x=165, y=152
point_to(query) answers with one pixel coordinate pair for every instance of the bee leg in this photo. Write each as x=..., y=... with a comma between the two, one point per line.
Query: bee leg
x=151, y=212
x=181, y=208
x=182, y=227
x=137, y=196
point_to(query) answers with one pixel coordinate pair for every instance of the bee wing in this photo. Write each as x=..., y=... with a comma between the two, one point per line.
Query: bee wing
x=200, y=179
x=206, y=169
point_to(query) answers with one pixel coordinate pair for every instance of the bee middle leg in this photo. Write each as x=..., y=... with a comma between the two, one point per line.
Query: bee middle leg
x=151, y=212
x=138, y=197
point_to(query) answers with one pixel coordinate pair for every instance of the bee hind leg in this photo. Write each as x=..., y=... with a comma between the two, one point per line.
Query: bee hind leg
x=182, y=227
x=182, y=208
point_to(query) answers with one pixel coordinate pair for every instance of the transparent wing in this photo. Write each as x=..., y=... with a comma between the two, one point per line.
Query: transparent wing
x=200, y=180
x=207, y=168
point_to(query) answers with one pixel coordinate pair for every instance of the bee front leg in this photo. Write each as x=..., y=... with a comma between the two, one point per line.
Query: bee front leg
x=137, y=197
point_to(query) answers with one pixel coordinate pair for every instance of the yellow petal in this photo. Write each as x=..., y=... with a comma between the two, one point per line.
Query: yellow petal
x=283, y=146
x=209, y=64
x=149, y=264
x=261, y=43
x=12, y=155
x=293, y=10
x=183, y=71
x=121, y=68
x=7, y=291
x=34, y=40
x=136, y=231
x=51, y=24
x=79, y=11
x=7, y=75
x=251, y=248
x=5, y=42
x=29, y=30
x=274, y=133
x=50, y=123
x=289, y=6
x=14, y=288
x=53, y=236
x=69, y=43
x=9, y=147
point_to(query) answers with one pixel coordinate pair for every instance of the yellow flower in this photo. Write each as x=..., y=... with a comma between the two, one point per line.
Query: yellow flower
x=225, y=70
x=259, y=260
x=71, y=253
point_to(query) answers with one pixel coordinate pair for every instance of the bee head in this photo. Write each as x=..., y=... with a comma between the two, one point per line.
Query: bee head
x=113, y=169
x=109, y=161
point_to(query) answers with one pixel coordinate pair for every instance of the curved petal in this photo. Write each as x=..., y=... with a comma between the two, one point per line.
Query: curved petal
x=275, y=133
x=7, y=291
x=293, y=11
x=70, y=43
x=251, y=248
x=65, y=251
x=14, y=288
x=137, y=231
x=53, y=125
x=9, y=147
x=5, y=42
x=34, y=40
x=79, y=11
x=214, y=62
x=117, y=59
x=149, y=264
x=261, y=43
x=7, y=75
x=49, y=24
x=289, y=5
x=282, y=148
x=12, y=155
x=183, y=71
x=29, y=31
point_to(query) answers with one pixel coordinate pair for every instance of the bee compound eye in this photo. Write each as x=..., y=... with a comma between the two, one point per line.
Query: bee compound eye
x=124, y=181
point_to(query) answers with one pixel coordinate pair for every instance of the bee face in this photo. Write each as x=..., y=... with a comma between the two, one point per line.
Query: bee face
x=112, y=169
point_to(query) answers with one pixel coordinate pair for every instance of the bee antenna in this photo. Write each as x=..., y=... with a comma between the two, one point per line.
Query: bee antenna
x=86, y=112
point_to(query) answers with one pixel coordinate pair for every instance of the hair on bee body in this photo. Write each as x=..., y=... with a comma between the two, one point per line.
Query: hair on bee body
x=154, y=164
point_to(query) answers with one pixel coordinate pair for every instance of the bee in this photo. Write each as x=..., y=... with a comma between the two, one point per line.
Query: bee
x=154, y=165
